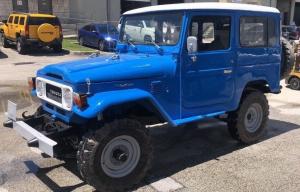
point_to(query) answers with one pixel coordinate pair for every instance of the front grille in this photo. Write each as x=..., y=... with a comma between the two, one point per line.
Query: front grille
x=54, y=93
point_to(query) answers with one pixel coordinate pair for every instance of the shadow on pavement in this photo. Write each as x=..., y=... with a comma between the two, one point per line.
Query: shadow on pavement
x=3, y=55
x=176, y=149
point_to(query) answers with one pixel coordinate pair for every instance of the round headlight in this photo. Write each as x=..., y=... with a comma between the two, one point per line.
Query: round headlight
x=39, y=88
x=68, y=98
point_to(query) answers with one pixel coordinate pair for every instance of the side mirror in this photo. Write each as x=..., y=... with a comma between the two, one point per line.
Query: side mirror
x=4, y=22
x=192, y=44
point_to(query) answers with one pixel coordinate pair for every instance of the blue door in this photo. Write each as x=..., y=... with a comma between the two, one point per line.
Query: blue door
x=207, y=75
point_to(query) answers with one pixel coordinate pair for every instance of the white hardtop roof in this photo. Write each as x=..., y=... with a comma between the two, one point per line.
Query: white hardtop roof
x=203, y=6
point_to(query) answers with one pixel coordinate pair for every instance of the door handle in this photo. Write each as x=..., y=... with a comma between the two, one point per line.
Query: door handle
x=227, y=71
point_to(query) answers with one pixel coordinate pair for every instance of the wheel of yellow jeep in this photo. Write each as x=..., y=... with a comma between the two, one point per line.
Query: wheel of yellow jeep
x=46, y=32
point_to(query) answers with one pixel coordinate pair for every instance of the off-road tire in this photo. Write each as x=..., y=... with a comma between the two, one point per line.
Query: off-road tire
x=21, y=47
x=294, y=83
x=236, y=119
x=4, y=41
x=93, y=144
x=57, y=48
x=287, y=58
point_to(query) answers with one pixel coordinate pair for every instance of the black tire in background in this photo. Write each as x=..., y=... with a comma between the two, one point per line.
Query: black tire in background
x=4, y=41
x=294, y=83
x=103, y=159
x=248, y=123
x=57, y=48
x=101, y=45
x=21, y=47
x=287, y=58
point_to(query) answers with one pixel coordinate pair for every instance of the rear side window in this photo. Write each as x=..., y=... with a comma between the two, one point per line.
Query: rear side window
x=16, y=20
x=212, y=32
x=10, y=19
x=22, y=20
x=253, y=31
x=42, y=20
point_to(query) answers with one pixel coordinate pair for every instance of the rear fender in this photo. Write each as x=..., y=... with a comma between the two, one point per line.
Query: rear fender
x=99, y=102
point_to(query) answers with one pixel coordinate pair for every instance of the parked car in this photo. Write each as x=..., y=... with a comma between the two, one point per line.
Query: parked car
x=28, y=30
x=102, y=36
x=99, y=107
x=293, y=80
x=291, y=32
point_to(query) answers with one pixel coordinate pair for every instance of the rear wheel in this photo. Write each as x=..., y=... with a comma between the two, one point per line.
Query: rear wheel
x=57, y=48
x=294, y=83
x=248, y=123
x=21, y=46
x=115, y=157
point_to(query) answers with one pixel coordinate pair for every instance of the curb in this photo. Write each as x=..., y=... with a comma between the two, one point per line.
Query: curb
x=15, y=83
x=84, y=53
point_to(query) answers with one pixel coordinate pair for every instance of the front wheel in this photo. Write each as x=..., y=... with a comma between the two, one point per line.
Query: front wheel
x=21, y=46
x=294, y=83
x=248, y=123
x=101, y=45
x=115, y=157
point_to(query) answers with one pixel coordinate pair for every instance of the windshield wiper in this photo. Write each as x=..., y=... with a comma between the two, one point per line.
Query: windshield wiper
x=159, y=49
x=130, y=42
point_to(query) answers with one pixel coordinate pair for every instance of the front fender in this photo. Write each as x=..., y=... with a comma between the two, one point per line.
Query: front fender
x=97, y=103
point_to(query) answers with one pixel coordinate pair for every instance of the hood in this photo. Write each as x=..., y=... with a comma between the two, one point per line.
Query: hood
x=107, y=69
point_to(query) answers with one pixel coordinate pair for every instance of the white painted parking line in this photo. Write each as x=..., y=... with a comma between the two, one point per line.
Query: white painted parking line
x=3, y=190
x=166, y=185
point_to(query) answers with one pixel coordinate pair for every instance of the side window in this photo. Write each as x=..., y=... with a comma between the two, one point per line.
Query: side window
x=22, y=20
x=16, y=20
x=273, y=39
x=10, y=19
x=253, y=31
x=87, y=28
x=93, y=28
x=212, y=32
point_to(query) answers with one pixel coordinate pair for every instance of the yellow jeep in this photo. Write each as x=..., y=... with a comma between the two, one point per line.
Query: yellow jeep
x=26, y=30
x=293, y=80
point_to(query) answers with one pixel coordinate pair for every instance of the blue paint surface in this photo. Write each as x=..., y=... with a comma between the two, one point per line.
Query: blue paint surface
x=180, y=89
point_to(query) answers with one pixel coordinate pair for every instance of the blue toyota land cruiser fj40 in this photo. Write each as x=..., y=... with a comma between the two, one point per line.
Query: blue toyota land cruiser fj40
x=174, y=63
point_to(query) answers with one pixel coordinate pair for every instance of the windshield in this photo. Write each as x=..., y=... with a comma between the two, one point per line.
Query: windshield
x=161, y=28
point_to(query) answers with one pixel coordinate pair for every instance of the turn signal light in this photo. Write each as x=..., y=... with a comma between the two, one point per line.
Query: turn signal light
x=31, y=82
x=80, y=100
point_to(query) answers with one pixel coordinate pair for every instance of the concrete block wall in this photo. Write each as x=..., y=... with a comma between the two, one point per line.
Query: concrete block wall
x=5, y=8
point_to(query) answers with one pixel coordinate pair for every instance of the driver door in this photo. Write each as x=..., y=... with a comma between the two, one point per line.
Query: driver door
x=207, y=74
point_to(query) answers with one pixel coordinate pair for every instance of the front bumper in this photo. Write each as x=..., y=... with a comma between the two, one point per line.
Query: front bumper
x=25, y=129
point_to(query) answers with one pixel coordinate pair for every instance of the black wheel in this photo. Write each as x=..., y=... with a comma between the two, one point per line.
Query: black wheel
x=287, y=58
x=57, y=48
x=248, y=123
x=4, y=41
x=116, y=157
x=294, y=83
x=101, y=46
x=81, y=41
x=21, y=48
